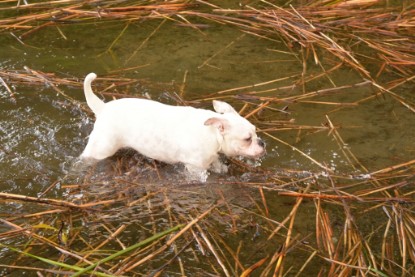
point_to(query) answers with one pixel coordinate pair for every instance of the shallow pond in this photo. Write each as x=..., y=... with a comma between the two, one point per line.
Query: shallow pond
x=326, y=128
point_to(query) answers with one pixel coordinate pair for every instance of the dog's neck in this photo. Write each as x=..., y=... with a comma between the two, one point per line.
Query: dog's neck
x=220, y=139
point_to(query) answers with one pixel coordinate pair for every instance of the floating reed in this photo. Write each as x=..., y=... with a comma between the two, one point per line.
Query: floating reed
x=139, y=222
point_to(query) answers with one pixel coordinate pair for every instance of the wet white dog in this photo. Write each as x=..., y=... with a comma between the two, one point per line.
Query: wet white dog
x=171, y=134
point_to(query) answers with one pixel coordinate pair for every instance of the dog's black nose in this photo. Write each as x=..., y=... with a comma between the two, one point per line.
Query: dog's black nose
x=261, y=143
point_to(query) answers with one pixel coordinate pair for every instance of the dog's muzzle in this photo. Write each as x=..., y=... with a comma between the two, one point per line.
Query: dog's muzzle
x=261, y=143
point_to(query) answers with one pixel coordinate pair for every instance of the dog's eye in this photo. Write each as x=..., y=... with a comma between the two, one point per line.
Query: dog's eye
x=249, y=139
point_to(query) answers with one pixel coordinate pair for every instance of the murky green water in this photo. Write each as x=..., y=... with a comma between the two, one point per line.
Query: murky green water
x=42, y=133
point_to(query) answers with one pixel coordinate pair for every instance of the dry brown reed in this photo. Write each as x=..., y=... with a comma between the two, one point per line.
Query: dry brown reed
x=339, y=235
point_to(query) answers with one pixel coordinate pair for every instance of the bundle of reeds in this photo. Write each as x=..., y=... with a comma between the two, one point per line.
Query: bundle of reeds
x=337, y=28
x=50, y=13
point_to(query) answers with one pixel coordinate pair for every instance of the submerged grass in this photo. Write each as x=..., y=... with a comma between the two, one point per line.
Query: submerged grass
x=96, y=234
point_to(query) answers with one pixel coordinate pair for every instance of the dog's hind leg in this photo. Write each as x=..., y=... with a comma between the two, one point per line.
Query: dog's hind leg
x=99, y=147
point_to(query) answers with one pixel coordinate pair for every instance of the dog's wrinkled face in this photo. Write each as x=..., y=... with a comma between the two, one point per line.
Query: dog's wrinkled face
x=239, y=136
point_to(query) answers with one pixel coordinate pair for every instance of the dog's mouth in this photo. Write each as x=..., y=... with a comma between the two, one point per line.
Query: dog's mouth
x=260, y=155
x=257, y=154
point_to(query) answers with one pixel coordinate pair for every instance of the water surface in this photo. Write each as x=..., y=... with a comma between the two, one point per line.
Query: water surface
x=43, y=132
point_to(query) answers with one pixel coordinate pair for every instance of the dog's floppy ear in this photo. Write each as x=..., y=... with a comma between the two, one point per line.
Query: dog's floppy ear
x=219, y=123
x=223, y=107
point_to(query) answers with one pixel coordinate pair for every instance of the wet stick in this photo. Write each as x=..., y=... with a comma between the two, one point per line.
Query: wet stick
x=184, y=229
x=324, y=230
x=53, y=185
x=351, y=158
x=144, y=42
x=226, y=204
x=392, y=168
x=24, y=198
x=50, y=23
x=348, y=197
x=206, y=62
x=299, y=151
x=173, y=220
x=183, y=85
x=288, y=239
x=158, y=272
x=254, y=85
x=39, y=214
x=213, y=251
x=302, y=96
x=264, y=201
x=222, y=245
x=11, y=93
x=109, y=49
x=48, y=82
x=112, y=236
x=251, y=269
x=258, y=109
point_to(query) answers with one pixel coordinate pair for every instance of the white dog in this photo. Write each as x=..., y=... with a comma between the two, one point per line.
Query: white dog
x=171, y=134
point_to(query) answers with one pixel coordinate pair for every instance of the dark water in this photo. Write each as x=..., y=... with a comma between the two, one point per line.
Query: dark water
x=42, y=133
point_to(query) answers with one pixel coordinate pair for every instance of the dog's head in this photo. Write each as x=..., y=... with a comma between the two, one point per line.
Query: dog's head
x=239, y=136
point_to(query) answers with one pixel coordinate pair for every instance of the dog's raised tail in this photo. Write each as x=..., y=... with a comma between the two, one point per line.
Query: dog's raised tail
x=92, y=100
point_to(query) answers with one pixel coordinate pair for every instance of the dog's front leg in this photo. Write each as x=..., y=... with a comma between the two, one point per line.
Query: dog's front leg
x=218, y=167
x=196, y=173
